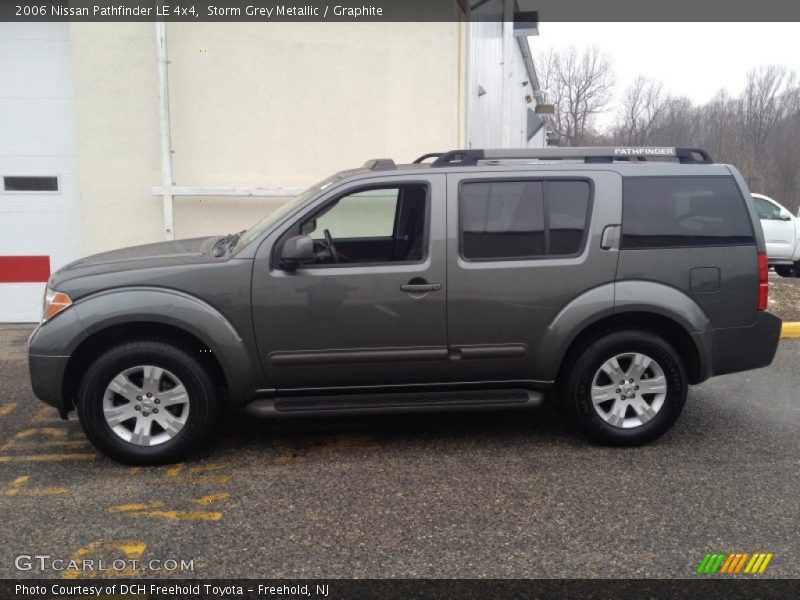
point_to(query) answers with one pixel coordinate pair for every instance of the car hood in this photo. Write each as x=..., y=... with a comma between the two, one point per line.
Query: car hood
x=161, y=254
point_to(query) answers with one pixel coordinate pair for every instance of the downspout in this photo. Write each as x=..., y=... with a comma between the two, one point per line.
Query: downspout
x=469, y=107
x=505, y=96
x=166, y=141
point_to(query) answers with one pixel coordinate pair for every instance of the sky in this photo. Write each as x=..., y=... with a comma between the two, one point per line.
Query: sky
x=692, y=59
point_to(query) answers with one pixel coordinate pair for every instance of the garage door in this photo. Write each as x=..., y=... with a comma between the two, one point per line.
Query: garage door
x=39, y=210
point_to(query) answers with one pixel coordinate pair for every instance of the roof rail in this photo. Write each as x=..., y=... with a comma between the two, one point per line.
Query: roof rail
x=380, y=164
x=425, y=157
x=588, y=154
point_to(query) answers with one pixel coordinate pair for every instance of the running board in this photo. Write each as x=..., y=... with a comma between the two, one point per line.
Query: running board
x=367, y=404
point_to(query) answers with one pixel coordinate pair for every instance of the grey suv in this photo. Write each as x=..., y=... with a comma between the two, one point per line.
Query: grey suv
x=471, y=279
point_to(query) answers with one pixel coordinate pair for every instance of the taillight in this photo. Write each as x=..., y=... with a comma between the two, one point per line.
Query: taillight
x=763, y=281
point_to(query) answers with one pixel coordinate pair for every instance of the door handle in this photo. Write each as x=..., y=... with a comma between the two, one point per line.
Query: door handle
x=420, y=288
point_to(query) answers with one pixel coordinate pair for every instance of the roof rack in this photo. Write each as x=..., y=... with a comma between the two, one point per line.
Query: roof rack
x=608, y=154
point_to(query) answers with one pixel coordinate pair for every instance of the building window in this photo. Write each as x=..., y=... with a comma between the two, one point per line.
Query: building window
x=507, y=220
x=30, y=184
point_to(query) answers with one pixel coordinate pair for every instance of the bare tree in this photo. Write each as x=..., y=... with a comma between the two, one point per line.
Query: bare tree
x=764, y=103
x=644, y=105
x=757, y=130
x=579, y=85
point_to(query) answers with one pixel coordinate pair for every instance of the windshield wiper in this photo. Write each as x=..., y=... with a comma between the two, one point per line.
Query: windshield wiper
x=225, y=244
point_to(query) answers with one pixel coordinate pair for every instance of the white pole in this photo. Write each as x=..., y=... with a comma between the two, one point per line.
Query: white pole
x=469, y=79
x=505, y=96
x=166, y=142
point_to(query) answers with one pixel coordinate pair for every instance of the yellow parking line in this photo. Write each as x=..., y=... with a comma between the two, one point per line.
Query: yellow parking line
x=46, y=457
x=790, y=329
x=4, y=410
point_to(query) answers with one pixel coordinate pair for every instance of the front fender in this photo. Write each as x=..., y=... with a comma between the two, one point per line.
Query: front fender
x=92, y=314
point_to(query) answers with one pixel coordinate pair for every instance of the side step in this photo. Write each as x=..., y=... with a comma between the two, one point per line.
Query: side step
x=382, y=403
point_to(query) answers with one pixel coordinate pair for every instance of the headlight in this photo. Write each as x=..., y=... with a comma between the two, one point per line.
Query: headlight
x=54, y=303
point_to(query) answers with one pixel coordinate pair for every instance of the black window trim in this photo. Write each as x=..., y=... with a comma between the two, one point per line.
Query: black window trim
x=292, y=229
x=546, y=213
x=55, y=191
x=622, y=246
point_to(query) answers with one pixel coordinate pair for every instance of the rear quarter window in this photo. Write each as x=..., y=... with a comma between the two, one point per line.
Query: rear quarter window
x=675, y=212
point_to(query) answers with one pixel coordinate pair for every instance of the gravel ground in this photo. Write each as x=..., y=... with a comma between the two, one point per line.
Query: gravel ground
x=784, y=297
x=467, y=495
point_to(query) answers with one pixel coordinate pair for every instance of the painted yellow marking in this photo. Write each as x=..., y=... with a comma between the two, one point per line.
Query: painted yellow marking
x=33, y=445
x=178, y=474
x=19, y=488
x=51, y=432
x=180, y=515
x=135, y=506
x=211, y=498
x=43, y=437
x=340, y=443
x=130, y=549
x=46, y=414
x=790, y=329
x=155, y=509
x=7, y=408
x=46, y=457
x=175, y=470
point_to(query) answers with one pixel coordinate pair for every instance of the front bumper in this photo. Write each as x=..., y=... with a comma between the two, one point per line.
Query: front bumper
x=47, y=380
x=744, y=348
x=49, y=349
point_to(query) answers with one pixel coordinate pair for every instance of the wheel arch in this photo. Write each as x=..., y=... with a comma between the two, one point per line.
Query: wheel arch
x=102, y=340
x=668, y=328
x=121, y=315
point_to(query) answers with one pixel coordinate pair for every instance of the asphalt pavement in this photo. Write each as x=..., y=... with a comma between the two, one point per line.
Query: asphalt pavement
x=453, y=495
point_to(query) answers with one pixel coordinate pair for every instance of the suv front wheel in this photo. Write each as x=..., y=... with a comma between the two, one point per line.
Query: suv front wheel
x=625, y=389
x=146, y=403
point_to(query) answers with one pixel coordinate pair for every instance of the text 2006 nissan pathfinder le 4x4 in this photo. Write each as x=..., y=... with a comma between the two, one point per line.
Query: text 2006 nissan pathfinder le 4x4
x=478, y=280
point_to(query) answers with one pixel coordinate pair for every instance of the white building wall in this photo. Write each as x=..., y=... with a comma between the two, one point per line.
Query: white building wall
x=485, y=90
x=252, y=105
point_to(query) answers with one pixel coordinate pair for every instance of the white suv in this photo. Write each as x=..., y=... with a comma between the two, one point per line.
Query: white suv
x=782, y=234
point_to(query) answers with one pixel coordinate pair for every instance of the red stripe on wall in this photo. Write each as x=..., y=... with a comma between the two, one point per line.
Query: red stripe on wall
x=24, y=269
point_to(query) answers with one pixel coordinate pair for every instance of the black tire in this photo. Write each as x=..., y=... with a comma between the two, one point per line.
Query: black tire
x=202, y=407
x=786, y=270
x=576, y=389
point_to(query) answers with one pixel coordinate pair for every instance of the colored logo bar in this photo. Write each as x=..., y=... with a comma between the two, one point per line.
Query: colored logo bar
x=734, y=563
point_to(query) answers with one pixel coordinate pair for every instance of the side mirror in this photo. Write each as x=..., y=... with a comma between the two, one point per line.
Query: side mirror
x=296, y=251
x=784, y=215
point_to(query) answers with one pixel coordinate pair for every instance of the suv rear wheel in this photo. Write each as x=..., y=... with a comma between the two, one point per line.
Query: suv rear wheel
x=787, y=270
x=146, y=403
x=625, y=389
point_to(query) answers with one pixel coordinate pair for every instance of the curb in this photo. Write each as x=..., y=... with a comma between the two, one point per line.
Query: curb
x=790, y=330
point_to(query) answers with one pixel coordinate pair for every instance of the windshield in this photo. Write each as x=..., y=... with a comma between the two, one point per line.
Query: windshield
x=256, y=230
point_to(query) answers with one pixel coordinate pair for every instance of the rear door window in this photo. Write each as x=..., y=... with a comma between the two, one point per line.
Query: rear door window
x=674, y=212
x=508, y=220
